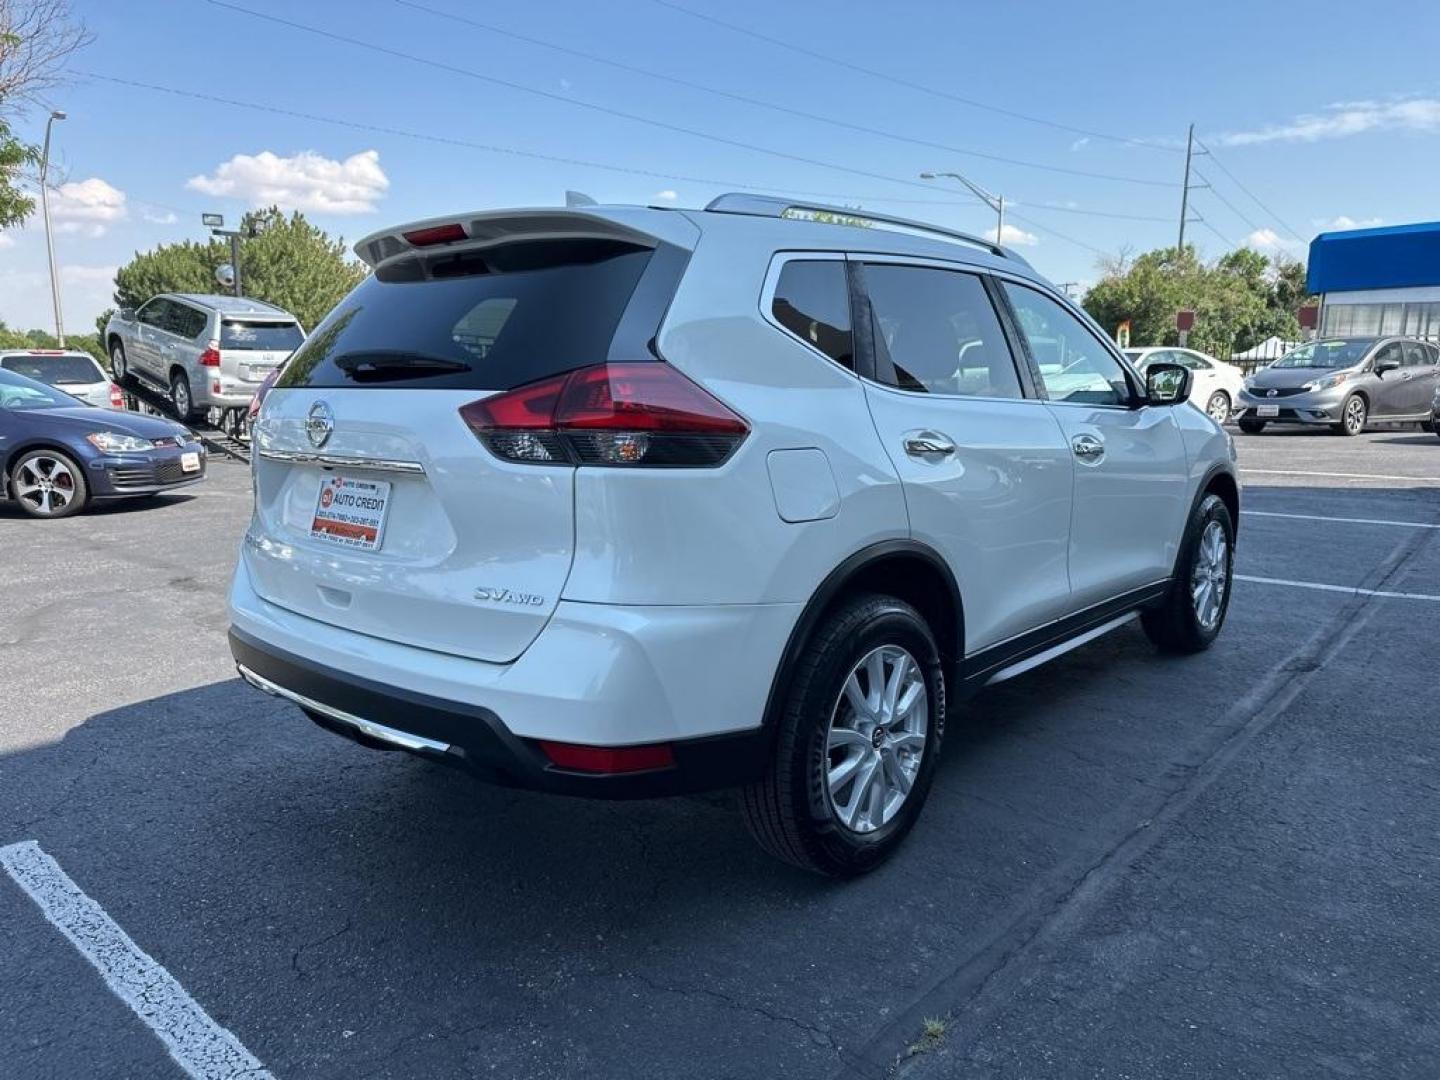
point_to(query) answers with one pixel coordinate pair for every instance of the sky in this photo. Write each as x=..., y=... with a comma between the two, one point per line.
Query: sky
x=1076, y=114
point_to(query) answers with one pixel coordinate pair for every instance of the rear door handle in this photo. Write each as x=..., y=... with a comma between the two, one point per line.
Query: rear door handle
x=1088, y=448
x=928, y=444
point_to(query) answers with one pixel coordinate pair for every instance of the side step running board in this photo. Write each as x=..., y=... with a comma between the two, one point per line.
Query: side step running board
x=1031, y=662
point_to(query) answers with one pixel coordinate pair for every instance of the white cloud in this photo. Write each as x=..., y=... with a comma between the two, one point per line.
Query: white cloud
x=1345, y=118
x=1344, y=222
x=159, y=217
x=1081, y=143
x=306, y=181
x=1014, y=237
x=86, y=207
x=1269, y=242
x=85, y=291
x=668, y=195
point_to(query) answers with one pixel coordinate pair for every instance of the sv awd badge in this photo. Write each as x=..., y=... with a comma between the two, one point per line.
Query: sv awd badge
x=507, y=596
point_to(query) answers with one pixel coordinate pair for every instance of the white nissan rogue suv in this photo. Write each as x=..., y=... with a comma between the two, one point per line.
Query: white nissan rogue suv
x=624, y=502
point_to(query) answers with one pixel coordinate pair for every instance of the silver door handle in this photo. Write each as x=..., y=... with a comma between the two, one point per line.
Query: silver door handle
x=1087, y=448
x=923, y=443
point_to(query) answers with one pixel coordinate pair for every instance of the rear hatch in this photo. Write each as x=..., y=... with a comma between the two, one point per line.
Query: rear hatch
x=251, y=347
x=378, y=509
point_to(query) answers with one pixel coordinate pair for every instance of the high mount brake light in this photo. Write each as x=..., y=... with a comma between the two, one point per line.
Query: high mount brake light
x=645, y=414
x=436, y=234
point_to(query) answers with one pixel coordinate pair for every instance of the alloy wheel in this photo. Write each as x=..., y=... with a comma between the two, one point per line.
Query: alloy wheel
x=1218, y=408
x=1355, y=416
x=45, y=484
x=877, y=736
x=117, y=364
x=180, y=398
x=1210, y=576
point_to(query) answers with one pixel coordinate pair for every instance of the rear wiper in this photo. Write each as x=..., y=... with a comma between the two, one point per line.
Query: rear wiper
x=363, y=367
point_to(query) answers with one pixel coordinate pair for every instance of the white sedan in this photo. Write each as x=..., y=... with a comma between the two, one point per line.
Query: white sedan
x=1217, y=384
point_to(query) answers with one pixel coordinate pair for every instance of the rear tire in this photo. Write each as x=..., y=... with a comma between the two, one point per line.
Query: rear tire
x=182, y=401
x=1185, y=622
x=808, y=810
x=1252, y=427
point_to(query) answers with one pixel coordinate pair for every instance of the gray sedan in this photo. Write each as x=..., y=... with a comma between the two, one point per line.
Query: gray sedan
x=1343, y=383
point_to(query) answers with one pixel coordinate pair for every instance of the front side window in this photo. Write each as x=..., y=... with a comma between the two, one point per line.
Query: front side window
x=812, y=301
x=1393, y=353
x=936, y=332
x=1073, y=364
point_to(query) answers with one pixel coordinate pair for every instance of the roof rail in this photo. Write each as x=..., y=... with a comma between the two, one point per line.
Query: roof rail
x=770, y=206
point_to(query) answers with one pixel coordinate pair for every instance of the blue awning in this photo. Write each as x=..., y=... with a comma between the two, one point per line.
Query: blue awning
x=1393, y=257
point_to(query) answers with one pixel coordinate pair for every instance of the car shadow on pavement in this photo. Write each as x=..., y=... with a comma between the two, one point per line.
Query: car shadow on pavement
x=107, y=507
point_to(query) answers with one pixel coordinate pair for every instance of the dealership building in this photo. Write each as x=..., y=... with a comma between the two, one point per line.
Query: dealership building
x=1378, y=281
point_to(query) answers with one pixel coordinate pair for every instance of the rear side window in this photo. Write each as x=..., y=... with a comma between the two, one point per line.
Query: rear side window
x=55, y=370
x=936, y=332
x=185, y=321
x=812, y=301
x=259, y=336
x=489, y=320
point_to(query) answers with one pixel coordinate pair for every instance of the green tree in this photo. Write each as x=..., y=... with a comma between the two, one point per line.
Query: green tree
x=15, y=205
x=1239, y=300
x=284, y=261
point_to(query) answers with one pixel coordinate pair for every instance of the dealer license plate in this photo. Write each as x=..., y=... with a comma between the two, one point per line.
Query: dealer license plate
x=190, y=461
x=1267, y=410
x=351, y=512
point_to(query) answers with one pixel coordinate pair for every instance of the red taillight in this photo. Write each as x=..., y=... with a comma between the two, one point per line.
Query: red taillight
x=210, y=357
x=609, y=414
x=609, y=759
x=436, y=234
x=117, y=398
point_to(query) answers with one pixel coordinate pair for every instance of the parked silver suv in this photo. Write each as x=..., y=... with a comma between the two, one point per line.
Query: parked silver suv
x=202, y=351
x=1343, y=382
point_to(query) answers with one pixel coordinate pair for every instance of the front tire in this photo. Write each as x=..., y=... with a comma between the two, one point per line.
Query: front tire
x=120, y=366
x=859, y=735
x=1252, y=427
x=1193, y=611
x=1353, y=415
x=48, y=484
x=1218, y=407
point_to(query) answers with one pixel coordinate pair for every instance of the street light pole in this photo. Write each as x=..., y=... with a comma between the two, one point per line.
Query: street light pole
x=995, y=202
x=49, y=239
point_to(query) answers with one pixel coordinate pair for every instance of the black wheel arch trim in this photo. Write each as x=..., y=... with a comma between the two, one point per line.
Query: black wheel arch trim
x=834, y=585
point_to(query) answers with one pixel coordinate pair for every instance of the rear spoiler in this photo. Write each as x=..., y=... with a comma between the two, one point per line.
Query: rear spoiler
x=475, y=231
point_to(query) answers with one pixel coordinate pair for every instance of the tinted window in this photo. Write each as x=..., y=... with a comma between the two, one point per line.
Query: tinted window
x=1433, y=353
x=185, y=321
x=1073, y=364
x=937, y=332
x=1390, y=354
x=155, y=313
x=1415, y=355
x=243, y=334
x=55, y=370
x=812, y=301
x=490, y=320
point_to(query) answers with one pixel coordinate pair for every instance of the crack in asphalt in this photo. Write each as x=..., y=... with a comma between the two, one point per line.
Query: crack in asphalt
x=295, y=956
x=991, y=970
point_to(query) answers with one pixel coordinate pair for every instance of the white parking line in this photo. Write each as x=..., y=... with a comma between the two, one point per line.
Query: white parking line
x=1347, y=520
x=1346, y=589
x=198, y=1045
x=1344, y=475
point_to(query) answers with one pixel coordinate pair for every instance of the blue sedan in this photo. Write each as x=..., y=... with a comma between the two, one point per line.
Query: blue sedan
x=57, y=453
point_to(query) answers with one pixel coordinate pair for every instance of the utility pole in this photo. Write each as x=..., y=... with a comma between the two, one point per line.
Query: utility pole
x=49, y=238
x=1185, y=190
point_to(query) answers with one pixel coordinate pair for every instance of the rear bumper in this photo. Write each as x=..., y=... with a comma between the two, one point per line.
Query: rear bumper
x=694, y=678
x=474, y=738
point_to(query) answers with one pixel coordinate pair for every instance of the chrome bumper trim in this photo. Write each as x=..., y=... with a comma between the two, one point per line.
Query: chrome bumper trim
x=402, y=739
x=343, y=461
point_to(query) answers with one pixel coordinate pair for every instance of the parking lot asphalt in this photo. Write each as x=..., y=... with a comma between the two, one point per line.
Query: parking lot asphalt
x=1129, y=866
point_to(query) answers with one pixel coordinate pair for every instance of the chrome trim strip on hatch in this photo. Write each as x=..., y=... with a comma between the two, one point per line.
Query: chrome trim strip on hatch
x=344, y=461
x=402, y=739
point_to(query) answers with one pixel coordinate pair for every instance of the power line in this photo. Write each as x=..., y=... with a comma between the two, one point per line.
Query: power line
x=1088, y=213
x=851, y=67
x=1253, y=198
x=1232, y=207
x=772, y=106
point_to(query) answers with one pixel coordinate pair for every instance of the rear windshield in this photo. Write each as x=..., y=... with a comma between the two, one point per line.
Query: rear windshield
x=492, y=320
x=55, y=370
x=269, y=336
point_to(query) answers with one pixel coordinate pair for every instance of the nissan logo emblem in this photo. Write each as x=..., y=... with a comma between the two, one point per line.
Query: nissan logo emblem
x=319, y=423
x=1268, y=393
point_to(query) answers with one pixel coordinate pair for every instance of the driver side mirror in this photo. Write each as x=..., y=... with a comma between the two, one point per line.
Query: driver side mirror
x=1167, y=384
x=1388, y=364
